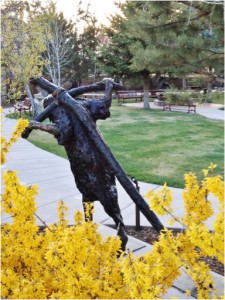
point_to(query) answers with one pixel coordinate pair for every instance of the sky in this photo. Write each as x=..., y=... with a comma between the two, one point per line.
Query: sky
x=101, y=8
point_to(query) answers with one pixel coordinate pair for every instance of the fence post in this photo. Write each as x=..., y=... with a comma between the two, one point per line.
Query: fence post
x=137, y=211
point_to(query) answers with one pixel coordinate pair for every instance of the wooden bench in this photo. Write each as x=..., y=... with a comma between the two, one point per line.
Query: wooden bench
x=125, y=95
x=156, y=93
x=23, y=106
x=189, y=106
x=138, y=95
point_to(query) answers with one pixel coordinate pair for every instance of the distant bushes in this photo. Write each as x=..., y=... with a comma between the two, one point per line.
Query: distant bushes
x=174, y=96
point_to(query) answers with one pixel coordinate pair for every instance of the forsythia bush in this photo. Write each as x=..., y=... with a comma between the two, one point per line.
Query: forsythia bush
x=195, y=240
x=75, y=262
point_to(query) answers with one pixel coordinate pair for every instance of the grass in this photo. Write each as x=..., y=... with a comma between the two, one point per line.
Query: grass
x=15, y=115
x=155, y=146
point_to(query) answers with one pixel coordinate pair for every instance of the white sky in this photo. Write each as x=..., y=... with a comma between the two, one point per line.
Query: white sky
x=101, y=8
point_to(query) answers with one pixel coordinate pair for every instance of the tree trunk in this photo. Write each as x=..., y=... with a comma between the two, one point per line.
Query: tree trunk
x=33, y=104
x=146, y=92
x=184, y=83
x=95, y=71
x=67, y=101
x=58, y=69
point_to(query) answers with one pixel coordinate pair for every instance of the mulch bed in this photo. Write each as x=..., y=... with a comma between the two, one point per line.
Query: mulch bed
x=149, y=235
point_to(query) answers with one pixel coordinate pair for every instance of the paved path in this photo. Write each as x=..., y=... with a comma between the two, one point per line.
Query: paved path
x=208, y=110
x=53, y=176
x=211, y=111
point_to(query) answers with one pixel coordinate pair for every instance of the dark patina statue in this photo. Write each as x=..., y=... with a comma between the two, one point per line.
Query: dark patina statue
x=92, y=163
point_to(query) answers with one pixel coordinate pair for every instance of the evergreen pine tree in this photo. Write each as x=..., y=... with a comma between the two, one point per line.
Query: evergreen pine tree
x=172, y=37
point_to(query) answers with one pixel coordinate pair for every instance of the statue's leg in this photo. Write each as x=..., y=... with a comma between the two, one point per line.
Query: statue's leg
x=107, y=195
x=120, y=226
x=109, y=200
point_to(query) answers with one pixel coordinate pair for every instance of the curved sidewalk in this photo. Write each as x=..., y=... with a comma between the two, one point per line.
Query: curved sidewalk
x=53, y=176
x=208, y=110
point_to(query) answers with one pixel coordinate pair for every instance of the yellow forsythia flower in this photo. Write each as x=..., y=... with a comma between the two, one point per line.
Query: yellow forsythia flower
x=6, y=144
x=160, y=201
x=188, y=293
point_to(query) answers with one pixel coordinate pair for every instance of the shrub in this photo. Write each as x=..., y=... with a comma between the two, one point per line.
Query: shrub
x=198, y=80
x=173, y=96
x=215, y=97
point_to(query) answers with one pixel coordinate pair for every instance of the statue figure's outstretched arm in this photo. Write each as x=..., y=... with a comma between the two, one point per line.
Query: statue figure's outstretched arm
x=50, y=128
x=98, y=86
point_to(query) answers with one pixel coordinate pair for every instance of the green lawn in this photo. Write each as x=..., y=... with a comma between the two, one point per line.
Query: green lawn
x=156, y=146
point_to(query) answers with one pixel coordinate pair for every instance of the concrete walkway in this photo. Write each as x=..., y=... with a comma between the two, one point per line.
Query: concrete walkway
x=208, y=110
x=53, y=176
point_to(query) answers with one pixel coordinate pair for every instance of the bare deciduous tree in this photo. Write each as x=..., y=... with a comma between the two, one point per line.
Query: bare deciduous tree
x=58, y=47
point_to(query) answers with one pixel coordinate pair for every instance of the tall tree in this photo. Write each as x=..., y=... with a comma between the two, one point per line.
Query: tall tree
x=114, y=55
x=168, y=37
x=83, y=65
x=21, y=46
x=58, y=39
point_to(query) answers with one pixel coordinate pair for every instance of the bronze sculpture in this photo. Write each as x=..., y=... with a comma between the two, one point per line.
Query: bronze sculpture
x=74, y=126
